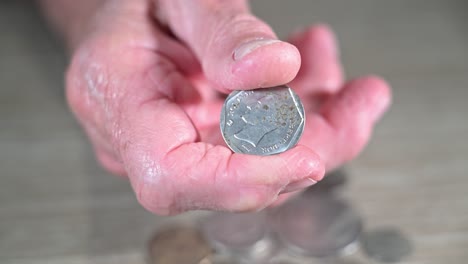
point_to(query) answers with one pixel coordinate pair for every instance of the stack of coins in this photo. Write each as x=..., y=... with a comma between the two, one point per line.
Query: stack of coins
x=245, y=237
x=388, y=245
x=318, y=225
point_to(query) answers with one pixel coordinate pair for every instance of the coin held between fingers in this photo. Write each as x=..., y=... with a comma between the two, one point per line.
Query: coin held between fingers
x=262, y=122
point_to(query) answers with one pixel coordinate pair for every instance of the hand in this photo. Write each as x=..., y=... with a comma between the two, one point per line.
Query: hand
x=145, y=82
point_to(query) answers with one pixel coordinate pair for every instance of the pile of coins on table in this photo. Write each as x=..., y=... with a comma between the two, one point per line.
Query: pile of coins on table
x=318, y=226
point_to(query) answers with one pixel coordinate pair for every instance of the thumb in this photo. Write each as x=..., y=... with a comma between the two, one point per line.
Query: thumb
x=235, y=49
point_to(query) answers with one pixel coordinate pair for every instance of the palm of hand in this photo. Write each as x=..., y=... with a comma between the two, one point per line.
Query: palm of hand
x=152, y=114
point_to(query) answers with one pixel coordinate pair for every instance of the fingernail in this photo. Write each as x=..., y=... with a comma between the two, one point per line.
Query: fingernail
x=298, y=185
x=250, y=46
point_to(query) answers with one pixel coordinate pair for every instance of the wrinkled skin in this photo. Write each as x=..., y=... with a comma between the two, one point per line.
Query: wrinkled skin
x=146, y=82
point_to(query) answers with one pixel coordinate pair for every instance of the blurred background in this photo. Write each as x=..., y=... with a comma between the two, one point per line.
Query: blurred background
x=58, y=206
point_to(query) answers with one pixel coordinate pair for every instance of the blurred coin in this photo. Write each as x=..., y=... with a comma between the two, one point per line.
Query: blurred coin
x=288, y=260
x=262, y=122
x=283, y=262
x=245, y=236
x=318, y=225
x=386, y=245
x=217, y=259
x=178, y=245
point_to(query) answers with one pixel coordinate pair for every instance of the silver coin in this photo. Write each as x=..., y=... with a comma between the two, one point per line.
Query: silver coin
x=244, y=236
x=179, y=244
x=262, y=122
x=318, y=225
x=386, y=245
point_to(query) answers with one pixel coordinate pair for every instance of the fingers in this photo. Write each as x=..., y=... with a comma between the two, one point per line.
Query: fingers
x=236, y=50
x=347, y=119
x=321, y=71
x=171, y=173
x=127, y=60
x=127, y=86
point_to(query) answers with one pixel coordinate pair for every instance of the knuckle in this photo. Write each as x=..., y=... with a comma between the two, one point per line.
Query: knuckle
x=90, y=92
x=240, y=22
x=246, y=21
x=88, y=74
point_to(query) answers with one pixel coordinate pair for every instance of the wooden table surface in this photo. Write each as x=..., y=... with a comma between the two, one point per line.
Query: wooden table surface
x=58, y=206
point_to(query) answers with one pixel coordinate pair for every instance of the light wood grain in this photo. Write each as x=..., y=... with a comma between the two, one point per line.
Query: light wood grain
x=58, y=206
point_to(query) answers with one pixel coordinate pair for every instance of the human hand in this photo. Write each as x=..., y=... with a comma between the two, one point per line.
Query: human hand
x=145, y=82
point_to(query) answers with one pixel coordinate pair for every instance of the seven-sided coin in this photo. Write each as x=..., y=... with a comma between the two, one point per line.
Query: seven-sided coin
x=262, y=122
